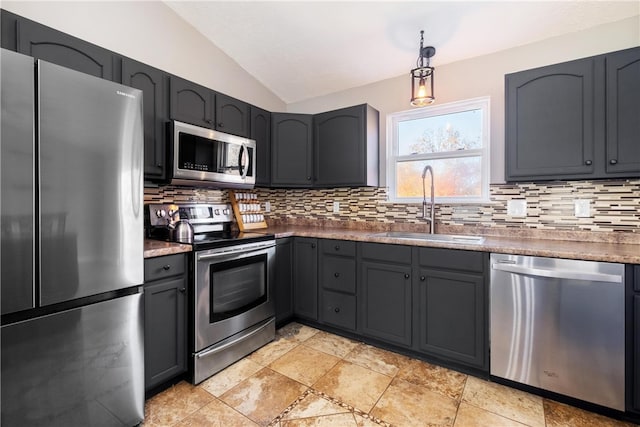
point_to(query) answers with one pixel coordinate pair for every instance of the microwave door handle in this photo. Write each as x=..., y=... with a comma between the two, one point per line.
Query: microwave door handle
x=244, y=152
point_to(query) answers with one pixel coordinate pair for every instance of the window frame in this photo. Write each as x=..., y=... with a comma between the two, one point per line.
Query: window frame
x=480, y=103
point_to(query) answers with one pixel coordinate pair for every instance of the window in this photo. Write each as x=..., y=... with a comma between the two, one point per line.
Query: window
x=453, y=138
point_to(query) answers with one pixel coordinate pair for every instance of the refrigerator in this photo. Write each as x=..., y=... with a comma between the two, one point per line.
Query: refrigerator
x=71, y=218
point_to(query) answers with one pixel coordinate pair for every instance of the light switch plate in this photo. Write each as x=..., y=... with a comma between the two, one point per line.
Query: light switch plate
x=336, y=207
x=267, y=206
x=582, y=208
x=517, y=207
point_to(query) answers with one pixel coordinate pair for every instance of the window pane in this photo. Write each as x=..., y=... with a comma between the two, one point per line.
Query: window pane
x=457, y=177
x=446, y=132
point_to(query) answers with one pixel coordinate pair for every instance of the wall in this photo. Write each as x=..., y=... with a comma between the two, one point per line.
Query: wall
x=481, y=76
x=150, y=32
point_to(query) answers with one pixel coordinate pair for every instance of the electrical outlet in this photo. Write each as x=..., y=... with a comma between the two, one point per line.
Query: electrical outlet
x=267, y=206
x=517, y=207
x=582, y=208
x=336, y=207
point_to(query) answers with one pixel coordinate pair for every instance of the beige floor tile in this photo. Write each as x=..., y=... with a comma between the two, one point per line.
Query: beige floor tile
x=230, y=377
x=304, y=364
x=406, y=404
x=175, y=404
x=382, y=361
x=508, y=402
x=296, y=332
x=470, y=416
x=352, y=384
x=331, y=344
x=314, y=406
x=442, y=380
x=364, y=422
x=561, y=415
x=270, y=352
x=216, y=414
x=263, y=396
x=336, y=420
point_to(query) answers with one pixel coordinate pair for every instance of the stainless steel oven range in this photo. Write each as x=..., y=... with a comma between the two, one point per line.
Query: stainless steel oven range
x=233, y=274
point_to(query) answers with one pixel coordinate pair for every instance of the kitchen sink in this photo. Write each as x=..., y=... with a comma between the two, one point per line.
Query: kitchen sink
x=448, y=238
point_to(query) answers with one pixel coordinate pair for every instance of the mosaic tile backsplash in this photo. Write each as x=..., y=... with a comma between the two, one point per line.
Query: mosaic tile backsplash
x=615, y=205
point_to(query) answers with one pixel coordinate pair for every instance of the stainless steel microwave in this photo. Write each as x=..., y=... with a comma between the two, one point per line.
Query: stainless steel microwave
x=205, y=157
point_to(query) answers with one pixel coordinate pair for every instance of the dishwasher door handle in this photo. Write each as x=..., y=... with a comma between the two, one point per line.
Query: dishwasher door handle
x=558, y=274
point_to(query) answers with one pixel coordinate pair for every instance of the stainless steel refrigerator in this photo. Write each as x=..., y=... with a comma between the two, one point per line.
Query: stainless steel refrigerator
x=72, y=247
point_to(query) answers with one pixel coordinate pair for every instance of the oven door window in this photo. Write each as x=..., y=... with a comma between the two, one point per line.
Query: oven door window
x=237, y=286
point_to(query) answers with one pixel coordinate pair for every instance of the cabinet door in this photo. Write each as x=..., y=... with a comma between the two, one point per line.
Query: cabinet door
x=340, y=147
x=449, y=316
x=305, y=276
x=550, y=116
x=62, y=49
x=283, y=288
x=385, y=302
x=164, y=330
x=635, y=399
x=153, y=83
x=261, y=133
x=232, y=115
x=291, y=150
x=623, y=112
x=192, y=103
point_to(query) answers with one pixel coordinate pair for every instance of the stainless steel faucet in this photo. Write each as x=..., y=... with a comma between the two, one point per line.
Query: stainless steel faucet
x=431, y=218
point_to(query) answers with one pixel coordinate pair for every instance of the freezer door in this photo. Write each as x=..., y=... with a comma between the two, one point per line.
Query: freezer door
x=81, y=367
x=91, y=207
x=17, y=181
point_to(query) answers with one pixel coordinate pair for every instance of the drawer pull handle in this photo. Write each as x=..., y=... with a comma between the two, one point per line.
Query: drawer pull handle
x=183, y=290
x=406, y=276
x=422, y=278
x=613, y=161
x=337, y=247
x=166, y=267
x=337, y=309
x=588, y=162
x=336, y=275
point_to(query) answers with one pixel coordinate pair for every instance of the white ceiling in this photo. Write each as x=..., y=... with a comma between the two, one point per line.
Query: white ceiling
x=304, y=49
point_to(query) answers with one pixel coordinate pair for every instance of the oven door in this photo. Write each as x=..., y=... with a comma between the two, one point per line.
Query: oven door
x=233, y=290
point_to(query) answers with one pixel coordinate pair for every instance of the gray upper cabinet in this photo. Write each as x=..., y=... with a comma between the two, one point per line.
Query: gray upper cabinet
x=260, y=125
x=232, y=115
x=291, y=150
x=192, y=103
x=153, y=83
x=42, y=42
x=346, y=147
x=574, y=120
x=623, y=112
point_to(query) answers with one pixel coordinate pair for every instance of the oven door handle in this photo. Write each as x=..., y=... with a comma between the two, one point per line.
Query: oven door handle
x=234, y=253
x=242, y=165
x=234, y=342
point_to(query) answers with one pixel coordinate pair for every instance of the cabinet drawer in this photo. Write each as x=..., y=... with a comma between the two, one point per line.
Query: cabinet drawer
x=338, y=273
x=338, y=247
x=452, y=259
x=385, y=252
x=338, y=309
x=164, y=266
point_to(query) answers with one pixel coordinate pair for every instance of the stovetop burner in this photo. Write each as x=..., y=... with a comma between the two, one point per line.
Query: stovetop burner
x=211, y=225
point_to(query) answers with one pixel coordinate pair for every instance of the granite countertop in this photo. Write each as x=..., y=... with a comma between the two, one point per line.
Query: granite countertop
x=578, y=245
x=155, y=248
x=607, y=250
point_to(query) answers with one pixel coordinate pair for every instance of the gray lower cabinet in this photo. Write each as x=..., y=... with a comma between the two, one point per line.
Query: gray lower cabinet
x=385, y=293
x=283, y=288
x=165, y=323
x=633, y=337
x=449, y=305
x=337, y=283
x=305, y=278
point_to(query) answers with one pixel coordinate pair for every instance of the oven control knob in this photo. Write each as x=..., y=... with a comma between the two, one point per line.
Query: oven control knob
x=216, y=212
x=161, y=213
x=225, y=211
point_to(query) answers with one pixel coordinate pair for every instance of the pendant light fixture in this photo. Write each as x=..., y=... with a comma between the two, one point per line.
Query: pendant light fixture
x=422, y=76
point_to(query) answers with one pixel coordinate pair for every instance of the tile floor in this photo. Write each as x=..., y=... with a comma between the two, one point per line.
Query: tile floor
x=308, y=377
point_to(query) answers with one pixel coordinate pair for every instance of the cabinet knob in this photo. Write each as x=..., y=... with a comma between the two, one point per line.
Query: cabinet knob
x=166, y=267
x=337, y=247
x=422, y=278
x=313, y=246
x=613, y=161
x=183, y=290
x=406, y=276
x=220, y=125
x=336, y=274
x=308, y=178
x=208, y=121
x=337, y=309
x=588, y=162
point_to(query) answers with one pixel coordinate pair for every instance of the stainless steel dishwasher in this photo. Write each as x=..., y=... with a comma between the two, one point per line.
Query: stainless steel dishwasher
x=558, y=325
